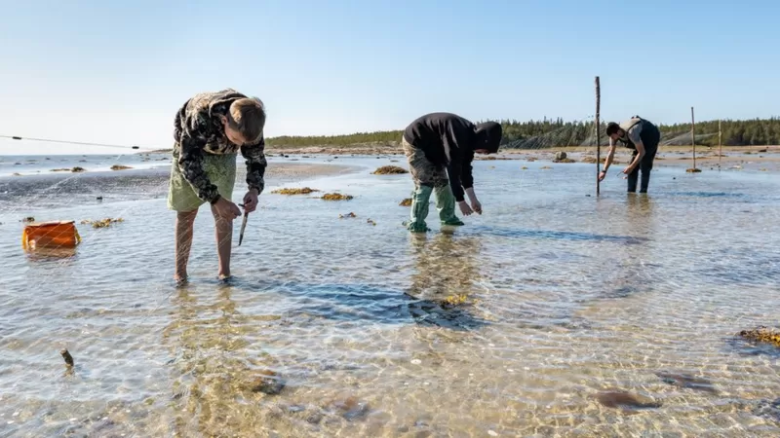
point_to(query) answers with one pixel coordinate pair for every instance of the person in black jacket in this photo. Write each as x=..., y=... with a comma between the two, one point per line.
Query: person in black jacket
x=440, y=148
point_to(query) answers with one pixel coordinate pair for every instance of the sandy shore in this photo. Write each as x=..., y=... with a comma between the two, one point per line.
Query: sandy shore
x=61, y=189
x=763, y=158
x=759, y=158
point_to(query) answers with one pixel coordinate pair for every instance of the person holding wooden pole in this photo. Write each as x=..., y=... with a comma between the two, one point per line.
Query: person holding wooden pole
x=643, y=137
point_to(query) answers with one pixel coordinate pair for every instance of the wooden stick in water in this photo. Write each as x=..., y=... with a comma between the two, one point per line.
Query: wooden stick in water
x=693, y=138
x=720, y=144
x=68, y=358
x=598, y=135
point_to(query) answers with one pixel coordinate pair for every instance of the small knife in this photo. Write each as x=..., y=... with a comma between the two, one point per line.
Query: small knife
x=243, y=225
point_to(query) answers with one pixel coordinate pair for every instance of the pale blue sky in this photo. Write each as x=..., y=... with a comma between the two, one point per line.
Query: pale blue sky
x=116, y=72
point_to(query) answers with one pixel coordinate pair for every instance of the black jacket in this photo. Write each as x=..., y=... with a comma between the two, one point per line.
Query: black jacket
x=450, y=140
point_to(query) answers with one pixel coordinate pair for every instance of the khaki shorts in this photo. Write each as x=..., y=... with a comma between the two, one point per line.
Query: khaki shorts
x=221, y=171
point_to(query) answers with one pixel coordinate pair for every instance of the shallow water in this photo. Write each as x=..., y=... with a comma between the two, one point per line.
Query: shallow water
x=47, y=164
x=565, y=296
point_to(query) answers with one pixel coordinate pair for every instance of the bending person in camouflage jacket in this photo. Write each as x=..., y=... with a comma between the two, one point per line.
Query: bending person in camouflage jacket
x=209, y=130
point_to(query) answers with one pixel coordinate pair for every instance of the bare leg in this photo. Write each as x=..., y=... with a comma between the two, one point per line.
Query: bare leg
x=224, y=229
x=184, y=225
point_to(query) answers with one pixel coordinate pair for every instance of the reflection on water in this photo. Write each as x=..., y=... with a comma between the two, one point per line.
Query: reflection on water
x=51, y=254
x=636, y=269
x=443, y=281
x=217, y=375
x=516, y=325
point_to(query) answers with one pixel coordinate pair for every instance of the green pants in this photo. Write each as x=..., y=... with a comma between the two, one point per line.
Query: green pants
x=428, y=178
x=221, y=171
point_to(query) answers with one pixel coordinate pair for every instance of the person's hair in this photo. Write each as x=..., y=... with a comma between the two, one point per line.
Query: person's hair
x=612, y=128
x=247, y=116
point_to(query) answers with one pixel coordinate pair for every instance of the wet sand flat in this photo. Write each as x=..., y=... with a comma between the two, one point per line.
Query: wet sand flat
x=555, y=313
x=54, y=189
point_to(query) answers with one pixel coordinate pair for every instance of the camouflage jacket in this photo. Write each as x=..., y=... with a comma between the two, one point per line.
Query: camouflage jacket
x=198, y=130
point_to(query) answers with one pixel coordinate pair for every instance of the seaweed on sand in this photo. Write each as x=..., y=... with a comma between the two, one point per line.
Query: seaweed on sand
x=763, y=335
x=336, y=197
x=102, y=223
x=295, y=191
x=390, y=170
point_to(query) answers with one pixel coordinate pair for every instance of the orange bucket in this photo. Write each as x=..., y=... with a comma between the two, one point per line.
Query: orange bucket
x=57, y=234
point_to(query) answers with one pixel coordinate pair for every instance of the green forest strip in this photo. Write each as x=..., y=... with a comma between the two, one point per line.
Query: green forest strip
x=557, y=133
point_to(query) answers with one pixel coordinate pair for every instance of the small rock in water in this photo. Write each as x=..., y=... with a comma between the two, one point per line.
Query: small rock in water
x=350, y=408
x=768, y=409
x=625, y=400
x=492, y=433
x=267, y=382
x=314, y=418
x=687, y=381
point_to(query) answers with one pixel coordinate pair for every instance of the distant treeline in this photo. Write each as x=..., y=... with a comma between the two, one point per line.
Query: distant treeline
x=556, y=132
x=336, y=140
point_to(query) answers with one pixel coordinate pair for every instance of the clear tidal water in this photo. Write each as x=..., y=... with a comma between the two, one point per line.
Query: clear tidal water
x=22, y=165
x=511, y=326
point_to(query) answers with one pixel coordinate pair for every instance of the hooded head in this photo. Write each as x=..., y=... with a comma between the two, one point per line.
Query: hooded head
x=488, y=138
